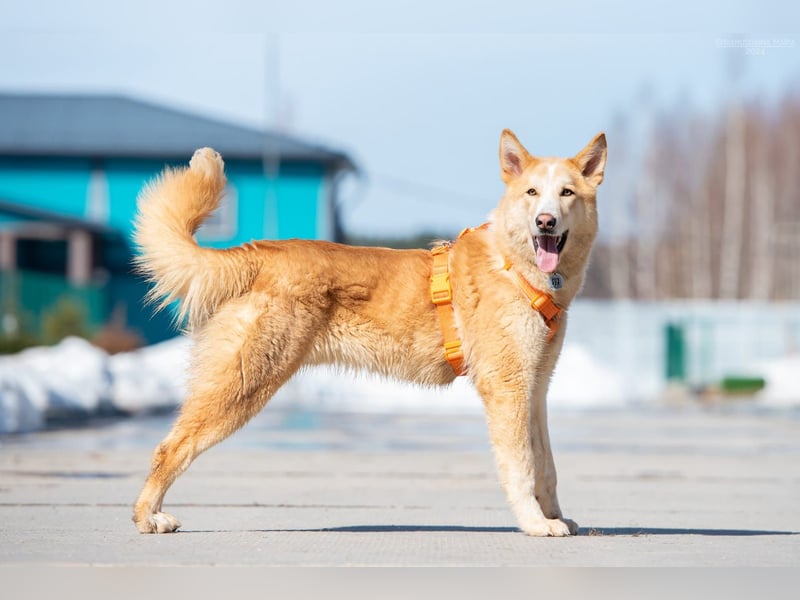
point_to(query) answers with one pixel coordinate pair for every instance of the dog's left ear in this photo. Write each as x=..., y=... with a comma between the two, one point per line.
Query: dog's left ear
x=592, y=160
x=513, y=156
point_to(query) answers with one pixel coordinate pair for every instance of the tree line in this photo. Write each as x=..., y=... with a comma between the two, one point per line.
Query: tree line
x=703, y=207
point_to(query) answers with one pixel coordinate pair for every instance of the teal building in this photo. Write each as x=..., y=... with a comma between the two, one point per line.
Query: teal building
x=71, y=168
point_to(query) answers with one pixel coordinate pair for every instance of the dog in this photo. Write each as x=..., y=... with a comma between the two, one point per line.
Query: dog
x=260, y=311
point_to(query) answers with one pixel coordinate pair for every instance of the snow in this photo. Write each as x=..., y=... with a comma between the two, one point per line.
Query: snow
x=613, y=357
x=783, y=383
x=582, y=381
x=40, y=382
x=76, y=378
x=151, y=378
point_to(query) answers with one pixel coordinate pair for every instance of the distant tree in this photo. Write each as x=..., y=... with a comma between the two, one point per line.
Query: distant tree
x=716, y=207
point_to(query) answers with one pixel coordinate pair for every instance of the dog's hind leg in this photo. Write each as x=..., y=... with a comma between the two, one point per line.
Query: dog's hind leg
x=241, y=359
x=507, y=398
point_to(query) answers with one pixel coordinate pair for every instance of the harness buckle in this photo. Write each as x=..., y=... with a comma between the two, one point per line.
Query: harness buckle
x=545, y=305
x=441, y=291
x=453, y=351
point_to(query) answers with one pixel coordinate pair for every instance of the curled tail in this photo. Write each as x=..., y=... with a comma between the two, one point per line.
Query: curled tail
x=171, y=208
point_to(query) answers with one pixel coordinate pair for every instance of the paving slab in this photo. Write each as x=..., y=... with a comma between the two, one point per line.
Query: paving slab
x=667, y=487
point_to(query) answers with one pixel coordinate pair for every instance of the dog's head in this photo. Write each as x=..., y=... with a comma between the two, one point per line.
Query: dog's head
x=549, y=203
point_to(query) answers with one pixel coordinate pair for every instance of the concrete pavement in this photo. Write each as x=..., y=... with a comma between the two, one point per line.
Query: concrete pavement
x=652, y=488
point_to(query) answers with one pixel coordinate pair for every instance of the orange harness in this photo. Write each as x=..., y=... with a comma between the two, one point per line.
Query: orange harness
x=442, y=297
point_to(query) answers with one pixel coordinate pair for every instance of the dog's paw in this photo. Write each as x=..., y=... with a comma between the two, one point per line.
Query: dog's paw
x=572, y=525
x=159, y=522
x=208, y=163
x=551, y=528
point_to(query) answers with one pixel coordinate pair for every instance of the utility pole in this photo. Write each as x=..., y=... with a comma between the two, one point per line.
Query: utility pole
x=271, y=160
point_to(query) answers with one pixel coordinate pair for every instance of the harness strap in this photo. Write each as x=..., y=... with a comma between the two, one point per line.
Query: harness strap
x=540, y=301
x=442, y=298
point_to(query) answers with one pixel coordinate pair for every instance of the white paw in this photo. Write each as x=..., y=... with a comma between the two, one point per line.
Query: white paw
x=551, y=528
x=159, y=522
x=208, y=162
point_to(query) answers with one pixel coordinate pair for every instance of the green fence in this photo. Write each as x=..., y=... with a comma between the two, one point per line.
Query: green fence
x=28, y=297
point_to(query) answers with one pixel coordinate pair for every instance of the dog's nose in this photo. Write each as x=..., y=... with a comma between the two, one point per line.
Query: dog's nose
x=546, y=222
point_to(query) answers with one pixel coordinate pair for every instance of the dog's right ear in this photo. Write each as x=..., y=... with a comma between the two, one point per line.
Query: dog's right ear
x=513, y=156
x=592, y=160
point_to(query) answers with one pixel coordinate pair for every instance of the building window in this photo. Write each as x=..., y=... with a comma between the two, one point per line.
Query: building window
x=221, y=224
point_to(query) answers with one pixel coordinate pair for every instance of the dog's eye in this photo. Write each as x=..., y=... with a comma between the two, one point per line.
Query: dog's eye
x=567, y=192
x=531, y=192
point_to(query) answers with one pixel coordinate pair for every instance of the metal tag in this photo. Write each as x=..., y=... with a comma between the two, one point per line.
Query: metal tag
x=556, y=281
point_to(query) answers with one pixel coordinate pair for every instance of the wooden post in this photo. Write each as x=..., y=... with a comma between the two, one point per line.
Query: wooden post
x=79, y=257
x=8, y=251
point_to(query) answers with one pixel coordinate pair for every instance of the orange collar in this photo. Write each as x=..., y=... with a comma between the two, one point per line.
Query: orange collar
x=442, y=298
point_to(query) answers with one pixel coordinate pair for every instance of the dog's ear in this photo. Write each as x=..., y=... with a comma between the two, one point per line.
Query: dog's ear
x=592, y=160
x=513, y=156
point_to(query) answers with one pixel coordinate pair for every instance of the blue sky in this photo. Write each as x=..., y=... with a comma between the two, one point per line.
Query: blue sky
x=417, y=92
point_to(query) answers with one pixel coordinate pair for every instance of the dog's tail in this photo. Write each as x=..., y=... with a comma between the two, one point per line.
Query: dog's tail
x=171, y=208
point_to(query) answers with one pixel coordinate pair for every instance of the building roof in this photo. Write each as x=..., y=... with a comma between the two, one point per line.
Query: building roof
x=37, y=217
x=103, y=126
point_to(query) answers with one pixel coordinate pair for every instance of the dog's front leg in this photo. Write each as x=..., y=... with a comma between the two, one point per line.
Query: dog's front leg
x=546, y=479
x=545, y=467
x=508, y=403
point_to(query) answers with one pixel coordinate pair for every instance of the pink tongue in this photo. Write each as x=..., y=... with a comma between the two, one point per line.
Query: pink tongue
x=547, y=253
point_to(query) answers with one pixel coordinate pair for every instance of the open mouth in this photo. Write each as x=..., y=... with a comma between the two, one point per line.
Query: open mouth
x=548, y=249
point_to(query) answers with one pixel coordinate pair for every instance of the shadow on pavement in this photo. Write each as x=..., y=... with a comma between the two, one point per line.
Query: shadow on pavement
x=636, y=531
x=584, y=531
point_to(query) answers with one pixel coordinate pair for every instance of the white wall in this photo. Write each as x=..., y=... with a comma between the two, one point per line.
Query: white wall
x=723, y=338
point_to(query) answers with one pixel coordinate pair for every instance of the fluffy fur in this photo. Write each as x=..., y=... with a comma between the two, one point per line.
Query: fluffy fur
x=261, y=311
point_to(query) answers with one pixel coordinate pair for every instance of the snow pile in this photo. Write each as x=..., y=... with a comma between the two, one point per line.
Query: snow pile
x=783, y=383
x=68, y=378
x=327, y=389
x=149, y=378
x=75, y=378
x=581, y=381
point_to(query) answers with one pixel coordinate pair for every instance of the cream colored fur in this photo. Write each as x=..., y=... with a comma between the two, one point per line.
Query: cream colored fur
x=261, y=311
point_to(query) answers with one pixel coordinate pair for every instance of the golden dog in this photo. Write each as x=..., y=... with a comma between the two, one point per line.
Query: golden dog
x=261, y=311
